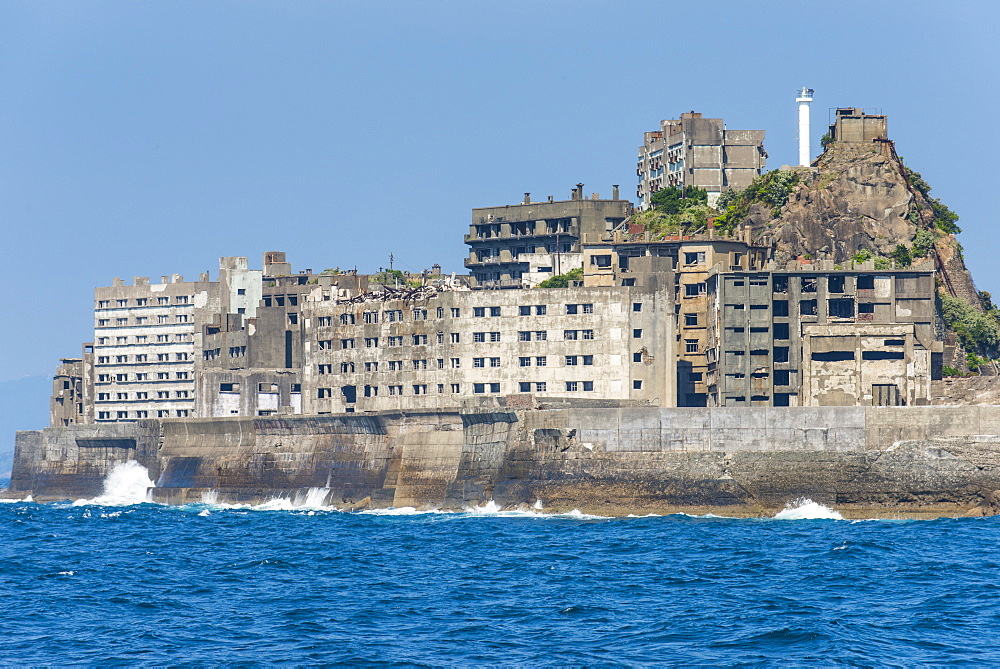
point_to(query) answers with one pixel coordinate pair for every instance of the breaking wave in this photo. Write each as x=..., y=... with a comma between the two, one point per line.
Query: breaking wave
x=806, y=509
x=127, y=483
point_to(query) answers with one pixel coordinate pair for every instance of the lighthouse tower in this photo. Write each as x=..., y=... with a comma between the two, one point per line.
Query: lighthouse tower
x=804, y=98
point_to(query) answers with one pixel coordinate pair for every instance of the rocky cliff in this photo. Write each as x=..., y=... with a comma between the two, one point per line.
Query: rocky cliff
x=858, y=201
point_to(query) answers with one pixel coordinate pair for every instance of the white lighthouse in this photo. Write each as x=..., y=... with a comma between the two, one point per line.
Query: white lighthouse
x=804, y=99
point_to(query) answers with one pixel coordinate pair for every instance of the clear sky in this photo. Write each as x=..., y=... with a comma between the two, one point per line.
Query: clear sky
x=151, y=137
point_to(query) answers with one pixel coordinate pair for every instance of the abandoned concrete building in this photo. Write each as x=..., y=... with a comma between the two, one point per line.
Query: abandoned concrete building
x=147, y=339
x=813, y=335
x=521, y=245
x=696, y=151
x=852, y=124
x=657, y=319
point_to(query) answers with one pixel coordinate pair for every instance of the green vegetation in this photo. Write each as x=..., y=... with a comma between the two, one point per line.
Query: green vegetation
x=332, y=270
x=671, y=213
x=771, y=189
x=945, y=219
x=978, y=332
x=948, y=370
x=901, y=256
x=674, y=200
x=923, y=242
x=974, y=361
x=562, y=280
x=393, y=277
x=826, y=140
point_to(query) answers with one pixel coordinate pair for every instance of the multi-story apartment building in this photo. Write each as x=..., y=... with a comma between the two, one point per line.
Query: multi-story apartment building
x=440, y=348
x=814, y=335
x=696, y=151
x=252, y=366
x=521, y=245
x=147, y=340
x=609, y=259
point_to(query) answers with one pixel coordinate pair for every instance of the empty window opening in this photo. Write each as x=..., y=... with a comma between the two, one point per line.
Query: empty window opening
x=833, y=356
x=882, y=355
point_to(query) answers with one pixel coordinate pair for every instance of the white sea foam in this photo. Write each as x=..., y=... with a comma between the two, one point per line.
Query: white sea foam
x=128, y=483
x=311, y=499
x=806, y=509
x=204, y=512
x=314, y=498
x=16, y=501
x=400, y=511
x=538, y=505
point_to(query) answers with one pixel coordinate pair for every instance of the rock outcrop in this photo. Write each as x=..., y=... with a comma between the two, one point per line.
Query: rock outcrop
x=859, y=197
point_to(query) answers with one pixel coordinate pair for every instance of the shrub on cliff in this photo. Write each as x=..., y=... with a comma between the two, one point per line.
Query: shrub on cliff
x=977, y=332
x=944, y=218
x=771, y=189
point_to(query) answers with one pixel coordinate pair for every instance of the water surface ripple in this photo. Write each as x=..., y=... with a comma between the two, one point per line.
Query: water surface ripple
x=151, y=585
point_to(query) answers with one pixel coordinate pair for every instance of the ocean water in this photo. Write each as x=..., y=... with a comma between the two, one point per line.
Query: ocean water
x=114, y=580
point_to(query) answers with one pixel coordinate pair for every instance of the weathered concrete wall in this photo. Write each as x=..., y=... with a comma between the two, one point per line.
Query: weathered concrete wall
x=872, y=460
x=73, y=461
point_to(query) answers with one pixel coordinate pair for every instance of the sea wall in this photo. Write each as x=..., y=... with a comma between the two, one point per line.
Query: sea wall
x=882, y=460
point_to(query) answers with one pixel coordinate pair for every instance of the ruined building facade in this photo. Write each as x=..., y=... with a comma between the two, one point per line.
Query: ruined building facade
x=521, y=245
x=696, y=151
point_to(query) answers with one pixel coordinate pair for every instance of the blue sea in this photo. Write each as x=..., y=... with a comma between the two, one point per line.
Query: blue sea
x=117, y=581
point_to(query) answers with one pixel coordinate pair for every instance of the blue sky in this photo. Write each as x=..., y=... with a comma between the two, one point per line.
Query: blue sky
x=147, y=138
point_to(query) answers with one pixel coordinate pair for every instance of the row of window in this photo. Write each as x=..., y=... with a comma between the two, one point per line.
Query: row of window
x=144, y=302
x=141, y=376
x=477, y=388
x=126, y=415
x=456, y=363
x=160, y=395
x=144, y=339
x=420, y=313
x=456, y=338
x=234, y=387
x=140, y=358
x=161, y=319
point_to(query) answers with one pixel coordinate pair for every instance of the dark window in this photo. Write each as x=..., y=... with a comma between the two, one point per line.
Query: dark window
x=781, y=330
x=866, y=308
x=807, y=307
x=781, y=377
x=637, y=357
x=808, y=284
x=882, y=355
x=781, y=354
x=894, y=342
x=600, y=261
x=780, y=307
x=781, y=399
x=690, y=319
x=835, y=284
x=780, y=284
x=866, y=282
x=841, y=308
x=833, y=356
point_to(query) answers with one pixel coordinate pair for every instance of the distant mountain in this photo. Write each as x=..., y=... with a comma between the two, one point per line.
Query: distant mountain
x=24, y=405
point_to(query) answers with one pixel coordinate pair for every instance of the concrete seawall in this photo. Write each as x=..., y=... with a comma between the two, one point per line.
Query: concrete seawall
x=738, y=461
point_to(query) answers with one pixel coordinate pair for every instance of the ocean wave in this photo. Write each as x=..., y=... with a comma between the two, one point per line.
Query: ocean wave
x=806, y=509
x=126, y=484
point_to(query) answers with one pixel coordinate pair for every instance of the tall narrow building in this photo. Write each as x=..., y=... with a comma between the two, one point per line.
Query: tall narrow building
x=696, y=151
